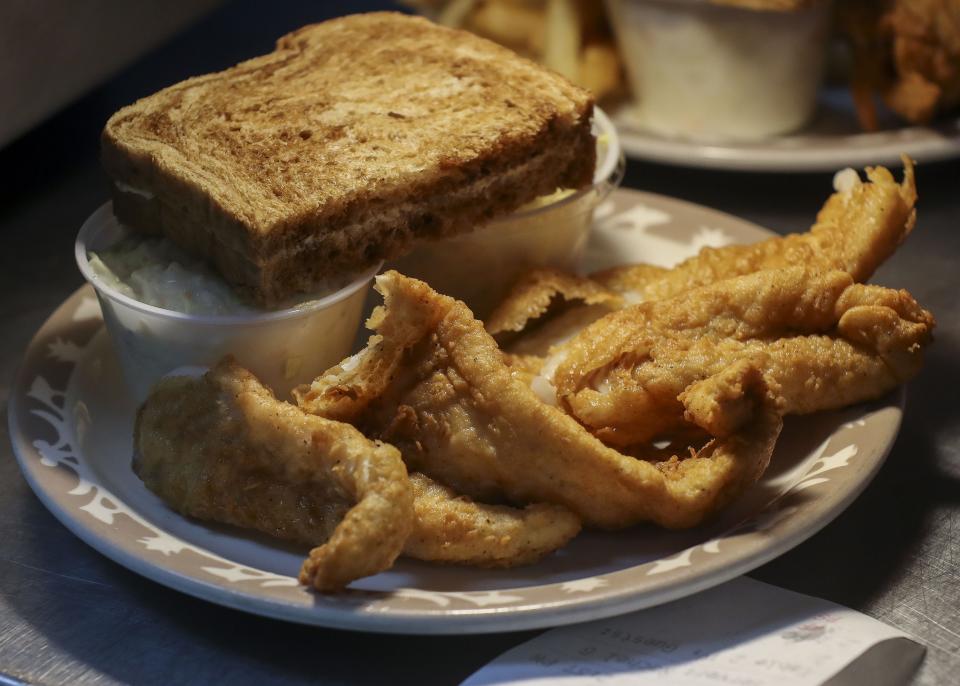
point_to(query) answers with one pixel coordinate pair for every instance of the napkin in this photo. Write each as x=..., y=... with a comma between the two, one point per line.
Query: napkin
x=743, y=633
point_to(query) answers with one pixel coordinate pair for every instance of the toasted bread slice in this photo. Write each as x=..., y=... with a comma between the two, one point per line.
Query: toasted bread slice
x=352, y=139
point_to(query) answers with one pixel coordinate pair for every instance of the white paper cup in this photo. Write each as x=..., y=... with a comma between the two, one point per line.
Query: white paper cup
x=284, y=348
x=479, y=267
x=710, y=71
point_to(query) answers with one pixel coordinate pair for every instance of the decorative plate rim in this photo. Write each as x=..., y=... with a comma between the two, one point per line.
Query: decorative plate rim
x=804, y=151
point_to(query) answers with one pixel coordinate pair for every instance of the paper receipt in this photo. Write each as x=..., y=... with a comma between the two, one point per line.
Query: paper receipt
x=743, y=633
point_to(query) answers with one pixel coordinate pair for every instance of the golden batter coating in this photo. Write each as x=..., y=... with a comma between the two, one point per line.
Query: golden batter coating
x=452, y=528
x=857, y=229
x=822, y=342
x=222, y=448
x=461, y=416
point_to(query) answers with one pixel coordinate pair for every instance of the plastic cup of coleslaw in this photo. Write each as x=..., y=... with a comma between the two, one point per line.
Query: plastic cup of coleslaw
x=706, y=69
x=283, y=347
x=479, y=267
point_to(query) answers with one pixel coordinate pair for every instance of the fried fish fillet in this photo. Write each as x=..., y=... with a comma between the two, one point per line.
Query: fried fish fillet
x=452, y=528
x=433, y=382
x=246, y=484
x=856, y=230
x=822, y=341
x=532, y=295
x=222, y=448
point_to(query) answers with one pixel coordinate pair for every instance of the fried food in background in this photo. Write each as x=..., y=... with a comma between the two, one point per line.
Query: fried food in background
x=572, y=37
x=434, y=383
x=222, y=448
x=906, y=52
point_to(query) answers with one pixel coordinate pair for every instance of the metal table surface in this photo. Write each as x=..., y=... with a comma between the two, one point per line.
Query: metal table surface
x=70, y=616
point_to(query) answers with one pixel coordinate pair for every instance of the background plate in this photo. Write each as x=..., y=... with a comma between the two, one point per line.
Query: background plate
x=71, y=423
x=833, y=140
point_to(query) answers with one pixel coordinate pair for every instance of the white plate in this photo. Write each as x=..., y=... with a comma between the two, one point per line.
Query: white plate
x=71, y=424
x=833, y=140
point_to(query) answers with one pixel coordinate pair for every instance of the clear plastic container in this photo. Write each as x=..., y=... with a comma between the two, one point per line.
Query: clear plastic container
x=712, y=71
x=284, y=348
x=479, y=267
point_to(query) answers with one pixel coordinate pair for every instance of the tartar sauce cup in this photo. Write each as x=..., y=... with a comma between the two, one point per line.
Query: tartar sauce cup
x=479, y=267
x=713, y=71
x=284, y=347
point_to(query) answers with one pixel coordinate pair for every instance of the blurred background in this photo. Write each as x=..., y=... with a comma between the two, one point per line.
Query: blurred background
x=664, y=68
x=65, y=67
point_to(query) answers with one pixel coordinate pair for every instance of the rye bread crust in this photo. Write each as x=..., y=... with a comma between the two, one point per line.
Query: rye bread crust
x=355, y=138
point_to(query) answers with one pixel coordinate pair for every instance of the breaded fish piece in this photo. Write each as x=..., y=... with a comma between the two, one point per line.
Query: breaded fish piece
x=222, y=448
x=822, y=341
x=289, y=503
x=856, y=230
x=533, y=294
x=764, y=304
x=462, y=417
x=452, y=528
x=560, y=305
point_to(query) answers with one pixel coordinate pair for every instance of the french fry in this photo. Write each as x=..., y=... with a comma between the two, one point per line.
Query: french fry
x=562, y=38
x=571, y=37
x=599, y=69
x=455, y=13
x=511, y=23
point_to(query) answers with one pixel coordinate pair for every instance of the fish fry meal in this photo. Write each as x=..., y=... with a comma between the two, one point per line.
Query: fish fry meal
x=650, y=395
x=636, y=395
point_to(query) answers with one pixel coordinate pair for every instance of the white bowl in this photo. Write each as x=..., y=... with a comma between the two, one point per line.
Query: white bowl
x=715, y=72
x=479, y=267
x=284, y=348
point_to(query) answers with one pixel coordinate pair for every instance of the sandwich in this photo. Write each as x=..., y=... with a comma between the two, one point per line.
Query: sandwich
x=353, y=139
